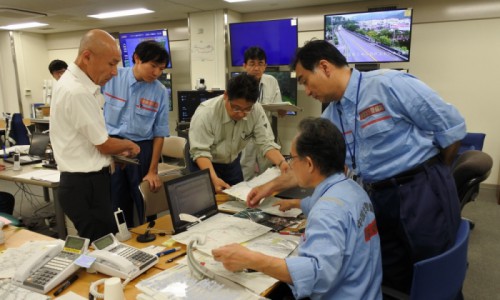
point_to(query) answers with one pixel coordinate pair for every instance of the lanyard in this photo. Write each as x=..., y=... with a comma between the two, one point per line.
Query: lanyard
x=352, y=151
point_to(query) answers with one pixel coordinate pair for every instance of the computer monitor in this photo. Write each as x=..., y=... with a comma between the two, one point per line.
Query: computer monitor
x=188, y=101
x=130, y=40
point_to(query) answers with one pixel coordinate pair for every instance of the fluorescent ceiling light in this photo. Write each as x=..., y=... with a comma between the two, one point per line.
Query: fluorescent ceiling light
x=233, y=1
x=122, y=13
x=23, y=26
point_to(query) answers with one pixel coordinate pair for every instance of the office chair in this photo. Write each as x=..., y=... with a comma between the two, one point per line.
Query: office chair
x=441, y=276
x=155, y=203
x=173, y=151
x=470, y=169
x=471, y=141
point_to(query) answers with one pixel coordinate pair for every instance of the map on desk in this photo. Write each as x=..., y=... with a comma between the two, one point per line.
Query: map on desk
x=220, y=230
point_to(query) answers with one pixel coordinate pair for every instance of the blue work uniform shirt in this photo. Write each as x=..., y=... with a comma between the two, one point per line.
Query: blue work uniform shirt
x=399, y=124
x=136, y=110
x=339, y=257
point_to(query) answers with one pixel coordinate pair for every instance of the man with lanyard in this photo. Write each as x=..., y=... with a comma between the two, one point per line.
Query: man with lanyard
x=339, y=254
x=221, y=127
x=136, y=108
x=401, y=138
x=81, y=144
x=252, y=162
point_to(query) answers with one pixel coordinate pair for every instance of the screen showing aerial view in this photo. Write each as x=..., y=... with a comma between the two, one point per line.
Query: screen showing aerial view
x=371, y=37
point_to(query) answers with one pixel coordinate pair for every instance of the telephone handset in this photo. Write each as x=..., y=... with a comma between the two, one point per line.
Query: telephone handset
x=46, y=269
x=117, y=259
x=112, y=264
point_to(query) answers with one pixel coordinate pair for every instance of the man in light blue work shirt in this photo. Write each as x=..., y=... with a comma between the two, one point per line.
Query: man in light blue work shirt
x=339, y=255
x=401, y=138
x=136, y=108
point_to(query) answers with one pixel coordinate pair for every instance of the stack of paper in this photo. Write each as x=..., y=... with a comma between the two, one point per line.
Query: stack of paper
x=242, y=189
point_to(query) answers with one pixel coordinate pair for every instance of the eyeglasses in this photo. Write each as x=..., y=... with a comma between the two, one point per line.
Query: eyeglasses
x=238, y=109
x=291, y=158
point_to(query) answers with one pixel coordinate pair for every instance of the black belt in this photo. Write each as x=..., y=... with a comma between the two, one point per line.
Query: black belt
x=104, y=170
x=402, y=177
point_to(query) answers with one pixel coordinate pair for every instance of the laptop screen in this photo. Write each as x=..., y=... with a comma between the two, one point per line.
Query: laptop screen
x=191, y=194
x=39, y=142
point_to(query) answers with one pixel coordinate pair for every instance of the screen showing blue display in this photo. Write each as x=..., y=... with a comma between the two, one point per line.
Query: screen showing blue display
x=128, y=42
x=278, y=38
x=371, y=37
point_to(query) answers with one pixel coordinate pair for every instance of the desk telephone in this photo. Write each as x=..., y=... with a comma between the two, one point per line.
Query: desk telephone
x=45, y=270
x=119, y=260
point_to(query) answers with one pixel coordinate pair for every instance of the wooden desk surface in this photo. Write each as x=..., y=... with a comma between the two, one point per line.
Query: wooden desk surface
x=10, y=175
x=15, y=237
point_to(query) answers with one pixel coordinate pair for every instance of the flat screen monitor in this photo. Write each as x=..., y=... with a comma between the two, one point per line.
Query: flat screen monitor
x=287, y=84
x=371, y=37
x=278, y=38
x=188, y=101
x=128, y=42
x=166, y=79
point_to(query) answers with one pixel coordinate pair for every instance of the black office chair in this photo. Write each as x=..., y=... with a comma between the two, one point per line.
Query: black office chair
x=470, y=169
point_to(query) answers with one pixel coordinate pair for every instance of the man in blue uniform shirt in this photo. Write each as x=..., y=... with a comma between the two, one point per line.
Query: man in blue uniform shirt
x=339, y=255
x=401, y=138
x=136, y=108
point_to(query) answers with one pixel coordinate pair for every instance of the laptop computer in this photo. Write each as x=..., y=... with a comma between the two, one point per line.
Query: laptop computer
x=36, y=152
x=191, y=194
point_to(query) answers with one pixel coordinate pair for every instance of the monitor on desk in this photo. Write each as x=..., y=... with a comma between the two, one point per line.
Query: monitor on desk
x=188, y=101
x=191, y=194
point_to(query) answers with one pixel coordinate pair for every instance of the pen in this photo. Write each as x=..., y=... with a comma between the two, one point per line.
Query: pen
x=290, y=233
x=66, y=284
x=175, y=257
x=160, y=254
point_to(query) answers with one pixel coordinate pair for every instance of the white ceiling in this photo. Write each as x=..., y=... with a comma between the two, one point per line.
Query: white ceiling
x=71, y=15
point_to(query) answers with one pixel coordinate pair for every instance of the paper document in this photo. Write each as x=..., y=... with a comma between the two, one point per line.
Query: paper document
x=281, y=106
x=221, y=230
x=178, y=283
x=267, y=206
x=242, y=189
x=42, y=175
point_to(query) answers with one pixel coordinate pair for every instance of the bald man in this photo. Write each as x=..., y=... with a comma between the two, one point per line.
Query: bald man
x=78, y=134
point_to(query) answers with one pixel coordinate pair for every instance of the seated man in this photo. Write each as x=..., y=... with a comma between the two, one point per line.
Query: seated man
x=339, y=256
x=221, y=127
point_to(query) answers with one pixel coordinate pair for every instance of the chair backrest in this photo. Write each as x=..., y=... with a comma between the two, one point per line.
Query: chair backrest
x=155, y=203
x=173, y=146
x=442, y=276
x=472, y=141
x=470, y=169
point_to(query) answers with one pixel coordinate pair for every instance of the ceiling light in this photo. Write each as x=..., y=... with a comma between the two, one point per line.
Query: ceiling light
x=233, y=1
x=122, y=13
x=23, y=25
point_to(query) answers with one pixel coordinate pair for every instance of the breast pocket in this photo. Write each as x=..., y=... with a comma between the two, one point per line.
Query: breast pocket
x=373, y=126
x=113, y=111
x=143, y=120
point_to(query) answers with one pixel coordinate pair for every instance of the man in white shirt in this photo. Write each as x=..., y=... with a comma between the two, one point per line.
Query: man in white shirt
x=252, y=162
x=78, y=135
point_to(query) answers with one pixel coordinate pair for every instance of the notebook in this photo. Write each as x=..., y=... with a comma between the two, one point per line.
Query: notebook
x=191, y=194
x=36, y=152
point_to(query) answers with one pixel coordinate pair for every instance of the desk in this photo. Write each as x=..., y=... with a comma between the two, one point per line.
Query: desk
x=40, y=124
x=9, y=175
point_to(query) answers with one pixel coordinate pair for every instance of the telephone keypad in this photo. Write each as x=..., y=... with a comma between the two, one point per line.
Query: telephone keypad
x=50, y=270
x=139, y=258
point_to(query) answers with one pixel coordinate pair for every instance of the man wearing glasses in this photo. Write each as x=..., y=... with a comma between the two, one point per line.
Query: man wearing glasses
x=252, y=162
x=221, y=127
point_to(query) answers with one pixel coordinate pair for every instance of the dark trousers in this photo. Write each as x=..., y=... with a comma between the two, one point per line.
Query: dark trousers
x=231, y=173
x=86, y=199
x=416, y=220
x=7, y=202
x=125, y=182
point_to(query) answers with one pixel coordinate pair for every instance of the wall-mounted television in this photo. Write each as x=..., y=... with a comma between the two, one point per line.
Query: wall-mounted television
x=287, y=84
x=188, y=101
x=128, y=42
x=371, y=37
x=166, y=79
x=278, y=38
